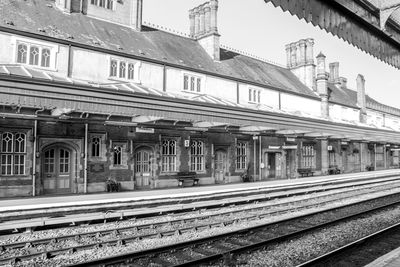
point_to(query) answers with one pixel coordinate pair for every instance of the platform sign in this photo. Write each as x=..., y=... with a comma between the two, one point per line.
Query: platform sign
x=144, y=130
x=290, y=139
x=187, y=143
x=289, y=147
x=274, y=147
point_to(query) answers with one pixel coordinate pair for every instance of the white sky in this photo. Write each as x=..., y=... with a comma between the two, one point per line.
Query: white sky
x=263, y=30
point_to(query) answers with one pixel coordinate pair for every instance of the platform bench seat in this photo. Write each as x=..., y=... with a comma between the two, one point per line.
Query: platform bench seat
x=187, y=176
x=305, y=171
x=333, y=169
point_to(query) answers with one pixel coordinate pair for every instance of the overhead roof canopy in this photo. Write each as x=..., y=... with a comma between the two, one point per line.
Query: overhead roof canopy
x=371, y=25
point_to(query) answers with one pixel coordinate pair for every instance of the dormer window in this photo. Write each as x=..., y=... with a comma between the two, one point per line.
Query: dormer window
x=254, y=96
x=33, y=54
x=191, y=83
x=121, y=69
x=108, y=4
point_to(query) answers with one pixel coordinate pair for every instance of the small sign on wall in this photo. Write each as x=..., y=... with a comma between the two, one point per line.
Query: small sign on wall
x=187, y=143
x=330, y=148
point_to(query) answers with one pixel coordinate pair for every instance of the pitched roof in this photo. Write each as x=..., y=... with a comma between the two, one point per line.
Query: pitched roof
x=43, y=18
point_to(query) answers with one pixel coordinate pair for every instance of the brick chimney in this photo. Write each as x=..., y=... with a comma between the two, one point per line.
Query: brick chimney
x=361, y=101
x=136, y=15
x=128, y=12
x=322, y=85
x=203, y=27
x=300, y=60
x=334, y=72
x=343, y=82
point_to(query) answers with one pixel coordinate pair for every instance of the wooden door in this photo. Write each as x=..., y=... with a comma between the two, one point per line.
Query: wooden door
x=143, y=168
x=56, y=170
x=220, y=166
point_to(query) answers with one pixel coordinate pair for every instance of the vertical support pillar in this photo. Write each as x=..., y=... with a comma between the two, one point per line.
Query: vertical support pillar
x=374, y=157
x=254, y=157
x=324, y=157
x=212, y=160
x=86, y=160
x=34, y=159
x=384, y=157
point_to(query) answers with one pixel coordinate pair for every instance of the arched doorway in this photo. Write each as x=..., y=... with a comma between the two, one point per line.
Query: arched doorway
x=57, y=169
x=220, y=163
x=143, y=167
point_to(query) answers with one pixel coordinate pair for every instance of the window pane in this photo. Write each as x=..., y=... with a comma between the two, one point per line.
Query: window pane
x=113, y=68
x=117, y=155
x=250, y=94
x=34, y=55
x=192, y=83
x=185, y=82
x=198, y=84
x=122, y=69
x=95, y=147
x=45, y=58
x=19, y=143
x=22, y=53
x=131, y=71
x=6, y=143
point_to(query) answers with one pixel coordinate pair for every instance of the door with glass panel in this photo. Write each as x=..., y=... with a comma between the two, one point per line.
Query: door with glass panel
x=143, y=168
x=220, y=166
x=56, y=168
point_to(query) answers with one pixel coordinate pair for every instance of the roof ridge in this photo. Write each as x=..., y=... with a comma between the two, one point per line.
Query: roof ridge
x=247, y=54
x=165, y=29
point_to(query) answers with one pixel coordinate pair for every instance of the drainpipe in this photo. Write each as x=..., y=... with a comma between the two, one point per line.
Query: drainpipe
x=384, y=156
x=34, y=159
x=260, y=158
x=86, y=160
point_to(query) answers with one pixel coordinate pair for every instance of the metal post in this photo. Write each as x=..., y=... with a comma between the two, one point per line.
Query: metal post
x=384, y=156
x=374, y=157
x=254, y=158
x=86, y=160
x=34, y=159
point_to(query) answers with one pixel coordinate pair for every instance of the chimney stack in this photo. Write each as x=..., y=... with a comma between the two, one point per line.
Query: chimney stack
x=361, y=101
x=322, y=85
x=300, y=60
x=136, y=15
x=334, y=72
x=203, y=27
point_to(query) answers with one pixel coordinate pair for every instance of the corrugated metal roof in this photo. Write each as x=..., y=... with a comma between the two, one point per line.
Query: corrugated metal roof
x=43, y=18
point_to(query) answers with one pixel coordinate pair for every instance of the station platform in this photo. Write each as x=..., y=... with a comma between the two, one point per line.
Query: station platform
x=33, y=213
x=74, y=200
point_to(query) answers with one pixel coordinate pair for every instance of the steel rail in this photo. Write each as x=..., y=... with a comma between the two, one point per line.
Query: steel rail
x=259, y=194
x=124, y=240
x=204, y=216
x=130, y=257
x=361, y=242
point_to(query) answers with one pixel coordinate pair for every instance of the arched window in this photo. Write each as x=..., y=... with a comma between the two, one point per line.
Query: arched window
x=117, y=155
x=22, y=53
x=96, y=147
x=168, y=154
x=197, y=155
x=12, y=153
x=34, y=55
x=45, y=58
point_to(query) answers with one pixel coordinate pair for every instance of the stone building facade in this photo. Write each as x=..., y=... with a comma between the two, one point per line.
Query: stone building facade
x=90, y=93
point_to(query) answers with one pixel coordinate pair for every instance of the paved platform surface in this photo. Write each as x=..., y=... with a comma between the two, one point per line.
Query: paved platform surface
x=39, y=202
x=391, y=259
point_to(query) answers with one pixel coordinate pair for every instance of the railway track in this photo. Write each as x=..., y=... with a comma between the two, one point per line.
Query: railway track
x=360, y=252
x=57, y=219
x=224, y=247
x=130, y=234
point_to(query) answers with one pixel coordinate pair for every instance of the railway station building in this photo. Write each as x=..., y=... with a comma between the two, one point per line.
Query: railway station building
x=88, y=92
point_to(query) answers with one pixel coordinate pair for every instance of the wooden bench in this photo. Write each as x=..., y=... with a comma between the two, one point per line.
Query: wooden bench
x=333, y=169
x=305, y=171
x=187, y=176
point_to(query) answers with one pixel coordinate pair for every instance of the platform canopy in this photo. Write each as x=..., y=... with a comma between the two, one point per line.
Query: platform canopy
x=371, y=25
